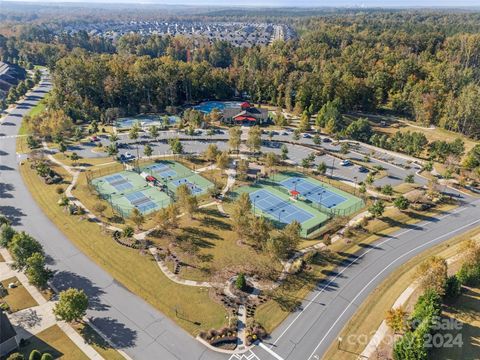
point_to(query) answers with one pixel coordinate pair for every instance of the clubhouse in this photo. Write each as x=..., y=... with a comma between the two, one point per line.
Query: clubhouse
x=245, y=114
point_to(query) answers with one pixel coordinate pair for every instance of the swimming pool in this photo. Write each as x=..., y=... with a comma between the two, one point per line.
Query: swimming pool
x=208, y=106
x=146, y=120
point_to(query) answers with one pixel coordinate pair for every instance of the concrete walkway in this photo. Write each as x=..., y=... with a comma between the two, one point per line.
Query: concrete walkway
x=401, y=301
x=31, y=321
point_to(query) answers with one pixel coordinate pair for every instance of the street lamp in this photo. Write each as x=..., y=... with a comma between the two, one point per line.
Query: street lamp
x=280, y=213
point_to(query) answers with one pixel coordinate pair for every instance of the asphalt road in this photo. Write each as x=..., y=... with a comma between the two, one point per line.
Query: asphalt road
x=144, y=333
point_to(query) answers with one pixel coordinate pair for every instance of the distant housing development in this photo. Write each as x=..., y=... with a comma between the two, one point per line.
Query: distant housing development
x=236, y=33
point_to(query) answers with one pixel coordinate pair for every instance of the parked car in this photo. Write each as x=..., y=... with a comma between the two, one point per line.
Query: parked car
x=122, y=146
x=363, y=169
x=126, y=157
x=345, y=162
x=327, y=140
x=95, y=138
x=306, y=136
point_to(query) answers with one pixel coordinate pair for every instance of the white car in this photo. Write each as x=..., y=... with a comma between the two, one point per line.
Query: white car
x=345, y=163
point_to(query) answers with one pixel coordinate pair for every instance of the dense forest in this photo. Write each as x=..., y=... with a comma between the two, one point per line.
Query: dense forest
x=421, y=65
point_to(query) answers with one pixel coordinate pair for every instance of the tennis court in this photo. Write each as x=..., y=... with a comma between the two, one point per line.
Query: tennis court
x=161, y=170
x=277, y=206
x=313, y=192
x=317, y=194
x=127, y=189
x=283, y=210
x=174, y=174
x=194, y=189
x=119, y=182
x=141, y=201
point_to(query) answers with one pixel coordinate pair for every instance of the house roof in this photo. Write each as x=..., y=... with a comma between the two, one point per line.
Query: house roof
x=6, y=329
x=252, y=112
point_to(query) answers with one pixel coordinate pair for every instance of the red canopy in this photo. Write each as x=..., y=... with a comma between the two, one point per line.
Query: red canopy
x=243, y=117
x=150, y=178
x=294, y=192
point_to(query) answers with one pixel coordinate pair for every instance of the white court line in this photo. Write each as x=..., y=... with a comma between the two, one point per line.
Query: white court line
x=354, y=261
x=383, y=270
x=270, y=351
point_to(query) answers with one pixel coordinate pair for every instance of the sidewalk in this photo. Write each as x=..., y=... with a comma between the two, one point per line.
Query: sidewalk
x=31, y=321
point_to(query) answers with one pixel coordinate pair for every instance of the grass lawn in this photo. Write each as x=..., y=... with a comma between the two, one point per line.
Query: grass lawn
x=96, y=341
x=211, y=237
x=405, y=188
x=371, y=313
x=17, y=298
x=466, y=310
x=21, y=146
x=432, y=134
x=137, y=272
x=54, y=341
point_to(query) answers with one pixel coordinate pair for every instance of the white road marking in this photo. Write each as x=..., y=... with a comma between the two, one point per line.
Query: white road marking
x=348, y=266
x=270, y=351
x=246, y=356
x=384, y=269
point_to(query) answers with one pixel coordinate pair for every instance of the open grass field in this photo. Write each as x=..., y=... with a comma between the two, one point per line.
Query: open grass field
x=54, y=341
x=210, y=236
x=96, y=341
x=17, y=298
x=372, y=312
x=139, y=273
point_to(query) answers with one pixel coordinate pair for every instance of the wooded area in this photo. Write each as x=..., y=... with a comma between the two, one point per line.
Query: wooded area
x=421, y=65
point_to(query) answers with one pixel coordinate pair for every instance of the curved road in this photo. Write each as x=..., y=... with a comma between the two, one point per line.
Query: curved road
x=144, y=333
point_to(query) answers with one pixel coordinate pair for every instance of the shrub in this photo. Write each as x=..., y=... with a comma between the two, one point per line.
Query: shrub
x=428, y=306
x=469, y=275
x=452, y=287
x=35, y=355
x=16, y=356
x=6, y=235
x=46, y=356
x=59, y=190
x=241, y=282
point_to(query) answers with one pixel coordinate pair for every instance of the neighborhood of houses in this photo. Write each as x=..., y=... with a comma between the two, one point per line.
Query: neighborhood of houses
x=238, y=34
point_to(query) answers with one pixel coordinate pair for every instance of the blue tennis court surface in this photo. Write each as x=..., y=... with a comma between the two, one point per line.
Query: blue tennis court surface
x=193, y=188
x=119, y=182
x=140, y=201
x=162, y=170
x=280, y=209
x=315, y=193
